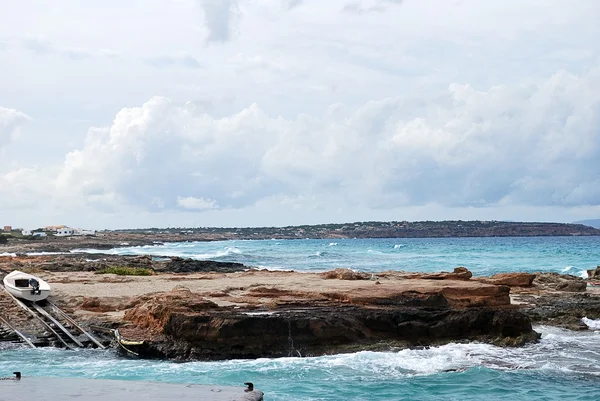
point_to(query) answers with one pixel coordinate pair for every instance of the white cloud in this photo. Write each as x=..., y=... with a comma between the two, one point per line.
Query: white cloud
x=365, y=6
x=11, y=121
x=289, y=4
x=189, y=202
x=219, y=18
x=530, y=144
x=182, y=60
x=313, y=109
x=25, y=189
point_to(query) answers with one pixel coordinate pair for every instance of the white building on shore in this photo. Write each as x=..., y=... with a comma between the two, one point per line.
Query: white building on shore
x=64, y=232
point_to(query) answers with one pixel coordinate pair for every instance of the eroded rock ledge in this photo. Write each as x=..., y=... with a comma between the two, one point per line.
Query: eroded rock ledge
x=187, y=311
x=292, y=314
x=197, y=329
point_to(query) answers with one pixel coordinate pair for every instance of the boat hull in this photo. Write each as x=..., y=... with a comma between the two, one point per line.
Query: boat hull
x=26, y=295
x=17, y=283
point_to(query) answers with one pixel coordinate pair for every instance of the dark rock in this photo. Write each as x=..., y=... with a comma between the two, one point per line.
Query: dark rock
x=559, y=282
x=562, y=311
x=181, y=265
x=211, y=333
x=594, y=274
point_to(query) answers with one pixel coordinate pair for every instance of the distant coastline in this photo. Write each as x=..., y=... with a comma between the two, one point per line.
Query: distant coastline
x=108, y=239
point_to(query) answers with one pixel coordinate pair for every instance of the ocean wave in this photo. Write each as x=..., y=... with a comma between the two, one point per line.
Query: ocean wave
x=567, y=268
x=333, y=244
x=183, y=250
x=592, y=324
x=398, y=246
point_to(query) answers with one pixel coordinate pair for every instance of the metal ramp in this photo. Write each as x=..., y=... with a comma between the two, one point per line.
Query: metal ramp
x=62, y=327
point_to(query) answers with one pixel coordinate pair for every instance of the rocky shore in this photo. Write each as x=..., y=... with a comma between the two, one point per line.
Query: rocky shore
x=191, y=309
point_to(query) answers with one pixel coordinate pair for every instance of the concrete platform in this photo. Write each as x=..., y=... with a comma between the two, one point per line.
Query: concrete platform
x=61, y=389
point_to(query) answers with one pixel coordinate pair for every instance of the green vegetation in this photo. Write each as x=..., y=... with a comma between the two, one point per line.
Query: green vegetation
x=125, y=271
x=3, y=239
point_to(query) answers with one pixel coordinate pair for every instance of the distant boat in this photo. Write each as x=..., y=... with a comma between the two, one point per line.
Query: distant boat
x=26, y=286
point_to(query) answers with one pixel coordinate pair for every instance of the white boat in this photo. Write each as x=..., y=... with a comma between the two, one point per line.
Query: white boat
x=26, y=286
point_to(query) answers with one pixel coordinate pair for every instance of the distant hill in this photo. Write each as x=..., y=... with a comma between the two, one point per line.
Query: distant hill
x=378, y=229
x=592, y=223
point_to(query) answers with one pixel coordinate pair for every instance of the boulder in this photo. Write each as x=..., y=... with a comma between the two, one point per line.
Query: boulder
x=181, y=265
x=559, y=282
x=345, y=274
x=459, y=273
x=594, y=274
x=510, y=279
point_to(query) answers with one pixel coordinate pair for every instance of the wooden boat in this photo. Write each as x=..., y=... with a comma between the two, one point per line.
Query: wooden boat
x=26, y=286
x=127, y=345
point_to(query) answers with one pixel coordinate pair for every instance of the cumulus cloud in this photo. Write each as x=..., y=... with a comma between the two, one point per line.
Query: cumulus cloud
x=11, y=121
x=25, y=188
x=189, y=202
x=219, y=18
x=529, y=144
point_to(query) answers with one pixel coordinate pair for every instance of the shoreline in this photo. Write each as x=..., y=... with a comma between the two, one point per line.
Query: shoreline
x=116, y=239
x=206, y=310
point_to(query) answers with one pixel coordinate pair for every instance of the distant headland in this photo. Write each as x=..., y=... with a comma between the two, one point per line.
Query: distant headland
x=53, y=242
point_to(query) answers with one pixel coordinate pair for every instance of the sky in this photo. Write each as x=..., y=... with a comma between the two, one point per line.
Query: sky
x=187, y=113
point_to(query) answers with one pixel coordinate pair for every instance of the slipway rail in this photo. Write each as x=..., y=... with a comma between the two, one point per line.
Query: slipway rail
x=72, y=322
x=56, y=321
x=38, y=317
x=17, y=332
x=57, y=324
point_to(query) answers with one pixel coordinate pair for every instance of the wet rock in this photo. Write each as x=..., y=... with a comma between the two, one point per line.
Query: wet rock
x=191, y=327
x=559, y=282
x=181, y=265
x=594, y=274
x=561, y=310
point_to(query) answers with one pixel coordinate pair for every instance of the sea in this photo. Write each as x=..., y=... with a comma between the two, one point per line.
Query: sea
x=563, y=365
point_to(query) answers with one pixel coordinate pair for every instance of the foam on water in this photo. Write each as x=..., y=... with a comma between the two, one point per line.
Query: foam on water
x=483, y=256
x=563, y=363
x=592, y=324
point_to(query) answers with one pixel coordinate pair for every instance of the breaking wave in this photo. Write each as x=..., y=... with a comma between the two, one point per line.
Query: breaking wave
x=592, y=324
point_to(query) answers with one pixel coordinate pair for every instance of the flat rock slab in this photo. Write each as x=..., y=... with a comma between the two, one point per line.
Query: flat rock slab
x=61, y=389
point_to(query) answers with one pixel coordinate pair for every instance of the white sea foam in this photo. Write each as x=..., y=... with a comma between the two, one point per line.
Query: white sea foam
x=398, y=246
x=8, y=254
x=333, y=244
x=566, y=269
x=592, y=324
x=184, y=250
x=583, y=274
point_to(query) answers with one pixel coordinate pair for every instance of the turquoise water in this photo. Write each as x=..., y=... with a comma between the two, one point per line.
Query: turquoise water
x=564, y=365
x=483, y=256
